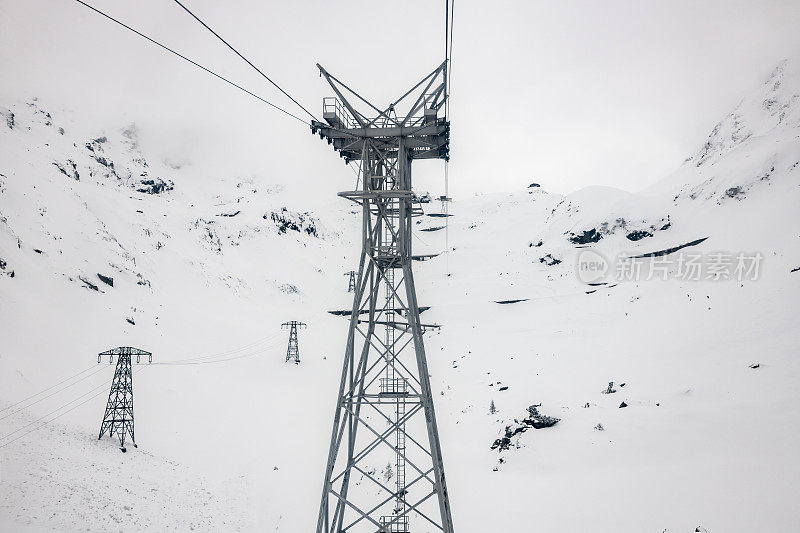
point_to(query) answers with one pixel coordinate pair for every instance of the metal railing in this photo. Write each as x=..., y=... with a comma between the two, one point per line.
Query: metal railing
x=333, y=107
x=394, y=524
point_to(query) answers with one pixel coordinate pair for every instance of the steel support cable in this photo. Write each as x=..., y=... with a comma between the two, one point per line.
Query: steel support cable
x=90, y=391
x=87, y=376
x=47, y=389
x=47, y=422
x=259, y=350
x=268, y=339
x=206, y=26
x=198, y=65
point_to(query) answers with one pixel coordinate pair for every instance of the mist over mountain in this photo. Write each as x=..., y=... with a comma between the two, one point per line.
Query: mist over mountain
x=675, y=395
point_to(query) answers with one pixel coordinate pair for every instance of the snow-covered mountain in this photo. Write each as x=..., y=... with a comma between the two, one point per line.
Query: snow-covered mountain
x=684, y=296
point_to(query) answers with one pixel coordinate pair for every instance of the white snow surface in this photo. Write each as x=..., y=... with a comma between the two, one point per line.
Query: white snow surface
x=237, y=440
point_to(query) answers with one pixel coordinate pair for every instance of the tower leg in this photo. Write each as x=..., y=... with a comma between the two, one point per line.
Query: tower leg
x=383, y=389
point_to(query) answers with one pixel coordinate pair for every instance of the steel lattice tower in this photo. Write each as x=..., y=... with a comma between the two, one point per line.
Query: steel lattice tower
x=118, y=418
x=351, y=282
x=293, y=350
x=385, y=411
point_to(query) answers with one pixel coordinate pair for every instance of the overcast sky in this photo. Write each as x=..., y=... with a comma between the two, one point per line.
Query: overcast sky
x=567, y=94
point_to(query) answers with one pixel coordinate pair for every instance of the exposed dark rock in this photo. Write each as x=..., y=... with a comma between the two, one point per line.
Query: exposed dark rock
x=533, y=185
x=299, y=222
x=38, y=251
x=89, y=284
x=229, y=214
x=511, y=301
x=10, y=120
x=755, y=365
x=154, y=186
x=638, y=235
x=670, y=250
x=538, y=420
x=588, y=236
x=70, y=169
x=549, y=260
x=503, y=388
x=734, y=192
x=610, y=389
x=623, y=404
x=794, y=269
x=3, y=264
x=535, y=420
x=130, y=321
x=105, y=162
x=105, y=279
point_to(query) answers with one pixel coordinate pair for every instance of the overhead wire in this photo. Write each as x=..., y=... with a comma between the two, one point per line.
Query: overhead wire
x=448, y=56
x=206, y=26
x=195, y=63
x=47, y=422
x=87, y=376
x=231, y=355
x=47, y=389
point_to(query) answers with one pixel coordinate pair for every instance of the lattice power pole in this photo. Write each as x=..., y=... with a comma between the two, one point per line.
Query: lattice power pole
x=293, y=350
x=384, y=412
x=351, y=284
x=118, y=418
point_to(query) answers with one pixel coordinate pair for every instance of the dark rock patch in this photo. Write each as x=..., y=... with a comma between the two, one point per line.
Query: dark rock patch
x=70, y=169
x=154, y=186
x=670, y=250
x=587, y=237
x=105, y=279
x=534, y=420
x=511, y=301
x=549, y=260
x=88, y=284
x=299, y=222
x=735, y=192
x=638, y=235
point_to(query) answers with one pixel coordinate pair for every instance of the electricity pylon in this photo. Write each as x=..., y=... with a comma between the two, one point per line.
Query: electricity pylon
x=118, y=418
x=385, y=387
x=351, y=283
x=293, y=350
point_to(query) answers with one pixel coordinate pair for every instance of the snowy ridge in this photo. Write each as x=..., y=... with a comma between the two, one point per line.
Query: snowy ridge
x=701, y=414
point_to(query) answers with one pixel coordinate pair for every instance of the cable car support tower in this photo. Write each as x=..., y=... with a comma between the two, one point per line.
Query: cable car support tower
x=384, y=411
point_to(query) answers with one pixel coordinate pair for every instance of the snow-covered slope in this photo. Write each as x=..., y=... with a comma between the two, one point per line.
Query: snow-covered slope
x=238, y=439
x=205, y=269
x=708, y=369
